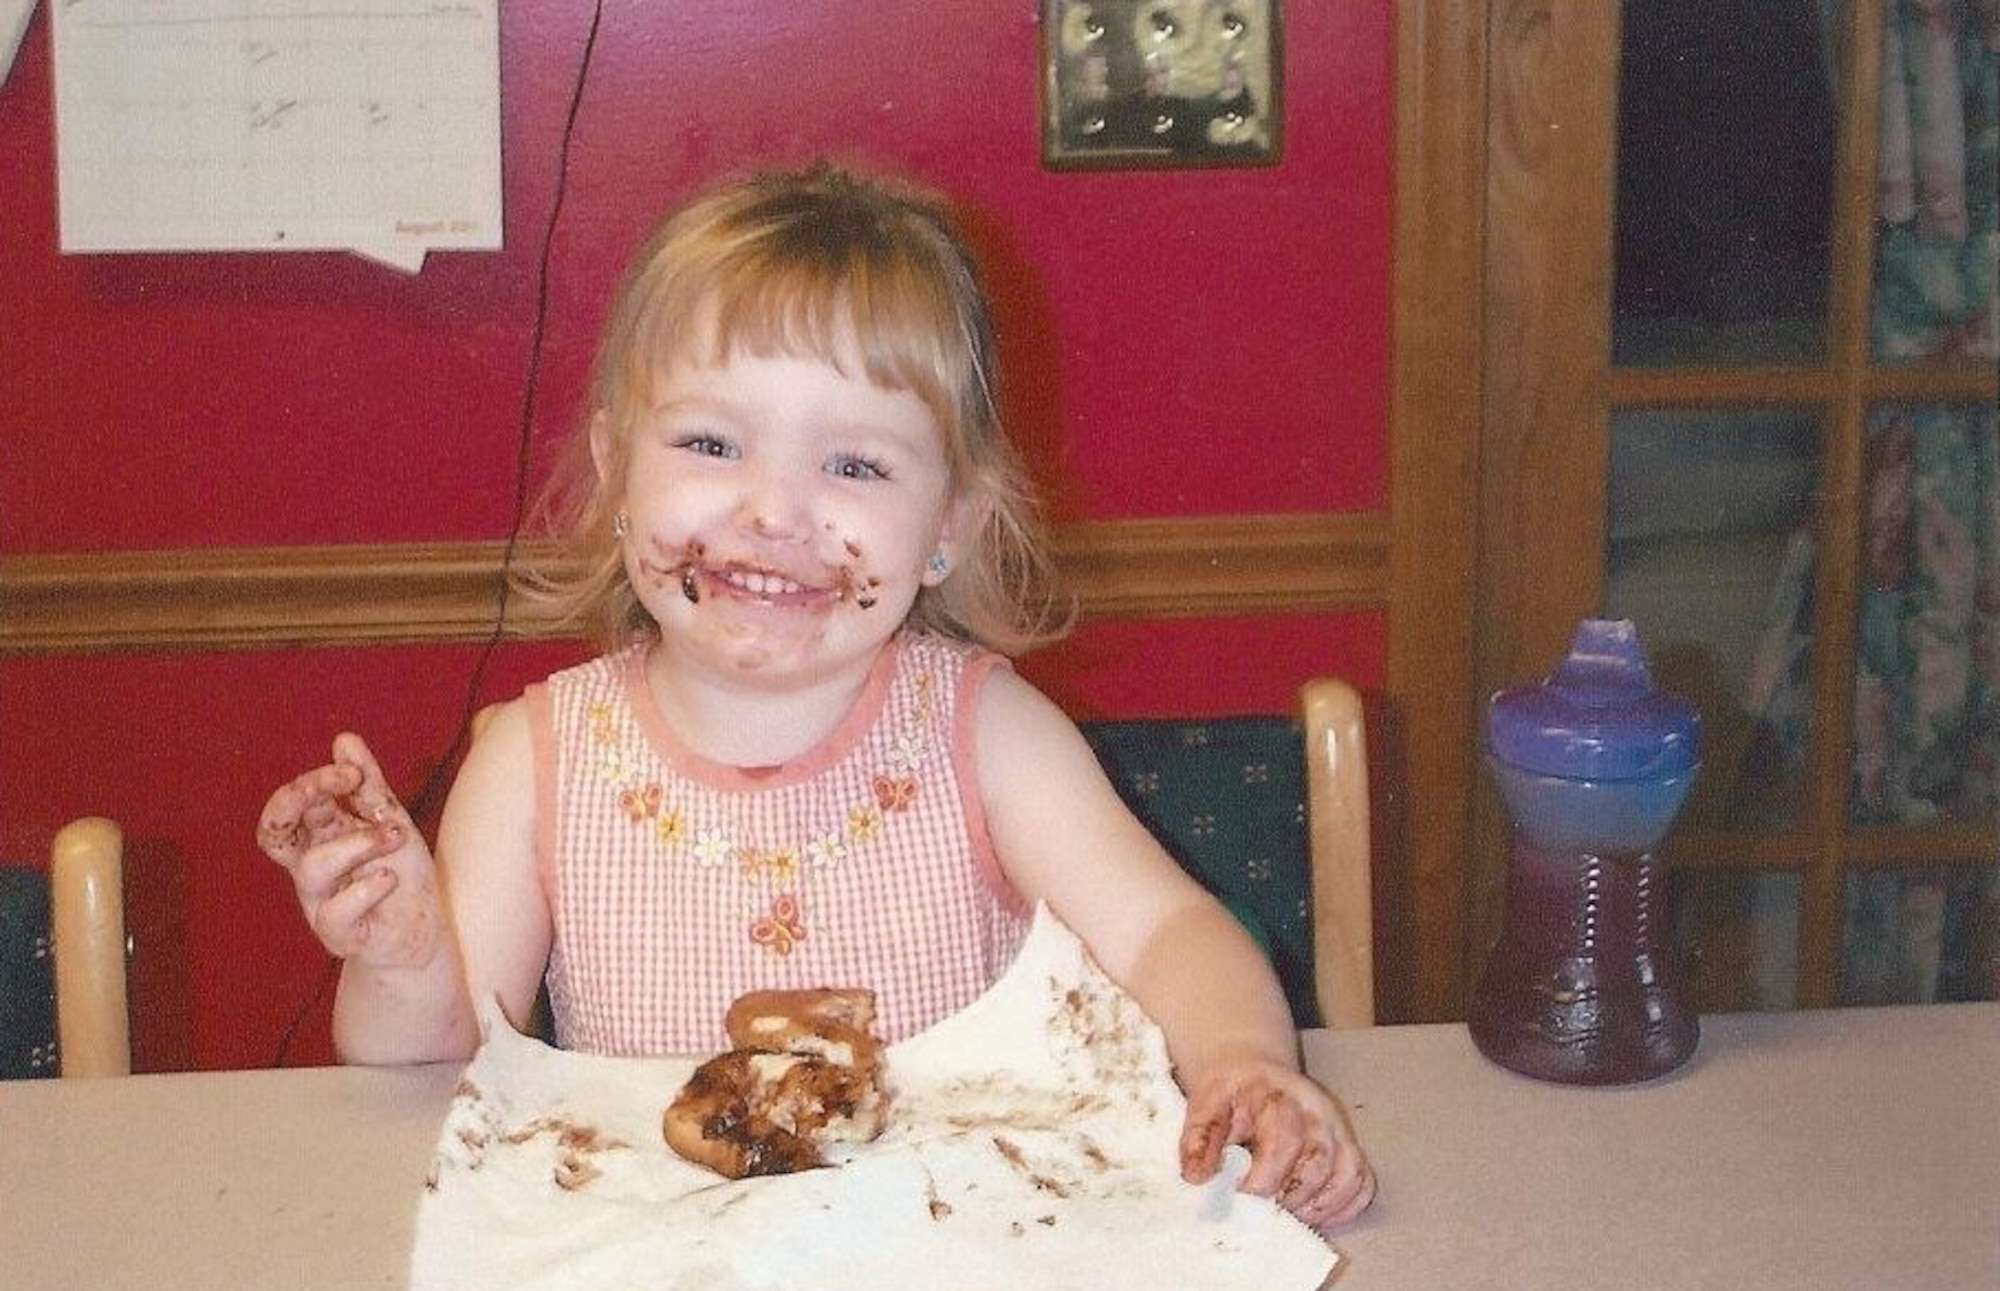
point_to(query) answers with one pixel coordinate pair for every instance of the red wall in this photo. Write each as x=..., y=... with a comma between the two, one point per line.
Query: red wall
x=1176, y=344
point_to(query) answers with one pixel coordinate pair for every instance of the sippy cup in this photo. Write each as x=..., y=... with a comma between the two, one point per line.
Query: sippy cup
x=1592, y=764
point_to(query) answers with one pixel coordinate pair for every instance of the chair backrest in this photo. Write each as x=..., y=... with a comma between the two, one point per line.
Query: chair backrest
x=1269, y=814
x=62, y=959
x=1336, y=737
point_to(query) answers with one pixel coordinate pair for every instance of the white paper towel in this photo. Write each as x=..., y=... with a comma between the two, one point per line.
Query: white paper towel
x=1031, y=1145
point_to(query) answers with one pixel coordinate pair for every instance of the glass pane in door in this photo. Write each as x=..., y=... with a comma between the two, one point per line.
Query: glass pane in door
x=1726, y=146
x=1710, y=553
x=1938, y=195
x=1921, y=936
x=1927, y=679
x=1735, y=939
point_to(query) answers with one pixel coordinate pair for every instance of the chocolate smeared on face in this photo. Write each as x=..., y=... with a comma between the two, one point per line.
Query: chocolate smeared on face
x=856, y=586
x=859, y=588
x=682, y=571
x=690, y=583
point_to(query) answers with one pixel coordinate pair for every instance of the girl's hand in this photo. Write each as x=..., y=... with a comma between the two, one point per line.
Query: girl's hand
x=364, y=876
x=1302, y=1150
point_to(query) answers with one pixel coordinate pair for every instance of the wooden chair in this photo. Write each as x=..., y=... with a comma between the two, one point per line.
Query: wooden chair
x=1343, y=917
x=1271, y=815
x=65, y=1006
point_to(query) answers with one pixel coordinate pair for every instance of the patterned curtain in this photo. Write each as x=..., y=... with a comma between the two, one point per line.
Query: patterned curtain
x=1938, y=192
x=1927, y=685
x=1927, y=689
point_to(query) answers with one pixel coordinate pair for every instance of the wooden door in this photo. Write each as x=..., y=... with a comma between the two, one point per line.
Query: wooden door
x=1517, y=409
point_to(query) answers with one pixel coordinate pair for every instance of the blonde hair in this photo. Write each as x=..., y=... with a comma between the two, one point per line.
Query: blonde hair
x=805, y=264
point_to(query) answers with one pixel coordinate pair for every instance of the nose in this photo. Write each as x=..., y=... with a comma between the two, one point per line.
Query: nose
x=776, y=505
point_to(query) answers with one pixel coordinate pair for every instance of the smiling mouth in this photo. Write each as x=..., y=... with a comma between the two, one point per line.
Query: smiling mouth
x=769, y=587
x=755, y=585
x=760, y=583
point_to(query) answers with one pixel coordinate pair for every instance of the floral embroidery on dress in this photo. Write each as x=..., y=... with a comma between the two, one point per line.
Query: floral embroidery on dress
x=773, y=875
x=825, y=851
x=774, y=865
x=711, y=848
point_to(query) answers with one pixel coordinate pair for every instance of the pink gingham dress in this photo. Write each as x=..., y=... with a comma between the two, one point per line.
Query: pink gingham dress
x=678, y=883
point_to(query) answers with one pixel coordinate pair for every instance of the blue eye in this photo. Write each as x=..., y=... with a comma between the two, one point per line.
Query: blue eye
x=706, y=445
x=853, y=467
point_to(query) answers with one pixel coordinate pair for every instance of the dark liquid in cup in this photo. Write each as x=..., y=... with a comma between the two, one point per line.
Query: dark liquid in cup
x=1577, y=990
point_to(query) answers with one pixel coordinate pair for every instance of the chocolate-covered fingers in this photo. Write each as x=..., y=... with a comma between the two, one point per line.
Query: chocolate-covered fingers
x=308, y=811
x=370, y=799
x=1281, y=1134
x=1213, y=1122
x=1347, y=1191
x=346, y=918
x=323, y=869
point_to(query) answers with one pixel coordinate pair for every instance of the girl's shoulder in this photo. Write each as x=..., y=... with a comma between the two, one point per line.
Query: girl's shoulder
x=606, y=670
x=921, y=650
x=946, y=672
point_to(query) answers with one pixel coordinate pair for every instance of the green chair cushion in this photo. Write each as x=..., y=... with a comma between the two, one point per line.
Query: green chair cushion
x=1226, y=797
x=27, y=976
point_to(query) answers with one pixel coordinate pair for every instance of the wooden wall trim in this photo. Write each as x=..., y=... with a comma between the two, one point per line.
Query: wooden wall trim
x=441, y=592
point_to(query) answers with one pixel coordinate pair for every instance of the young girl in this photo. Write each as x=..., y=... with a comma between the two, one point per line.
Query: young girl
x=801, y=762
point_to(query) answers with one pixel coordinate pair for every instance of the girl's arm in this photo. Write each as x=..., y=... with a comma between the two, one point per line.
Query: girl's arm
x=1065, y=838
x=490, y=904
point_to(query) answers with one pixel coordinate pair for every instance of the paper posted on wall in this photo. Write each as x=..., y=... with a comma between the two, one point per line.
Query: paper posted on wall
x=14, y=15
x=370, y=126
x=1031, y=1143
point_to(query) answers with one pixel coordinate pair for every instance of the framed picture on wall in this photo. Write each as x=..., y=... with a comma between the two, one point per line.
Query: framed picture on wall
x=1159, y=83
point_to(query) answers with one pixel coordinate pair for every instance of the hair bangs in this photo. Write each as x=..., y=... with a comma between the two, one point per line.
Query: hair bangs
x=875, y=312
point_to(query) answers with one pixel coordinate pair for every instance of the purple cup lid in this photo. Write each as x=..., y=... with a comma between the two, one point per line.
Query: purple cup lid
x=1598, y=716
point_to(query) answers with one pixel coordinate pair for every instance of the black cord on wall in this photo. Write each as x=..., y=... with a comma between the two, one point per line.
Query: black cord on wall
x=428, y=802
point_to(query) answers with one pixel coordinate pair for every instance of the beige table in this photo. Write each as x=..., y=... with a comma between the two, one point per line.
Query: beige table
x=1853, y=1148
x=1856, y=1148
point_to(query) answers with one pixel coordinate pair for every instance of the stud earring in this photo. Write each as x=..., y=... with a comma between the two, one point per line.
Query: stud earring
x=939, y=566
x=620, y=525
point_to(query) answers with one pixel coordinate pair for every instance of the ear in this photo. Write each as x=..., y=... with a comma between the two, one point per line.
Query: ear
x=603, y=446
x=963, y=519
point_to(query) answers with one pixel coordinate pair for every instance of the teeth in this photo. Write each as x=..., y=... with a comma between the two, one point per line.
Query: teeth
x=758, y=583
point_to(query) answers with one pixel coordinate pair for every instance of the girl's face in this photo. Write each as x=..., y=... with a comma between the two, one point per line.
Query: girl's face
x=783, y=516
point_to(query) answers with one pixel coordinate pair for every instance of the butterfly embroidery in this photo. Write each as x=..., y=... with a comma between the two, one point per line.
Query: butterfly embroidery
x=895, y=793
x=641, y=804
x=781, y=929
